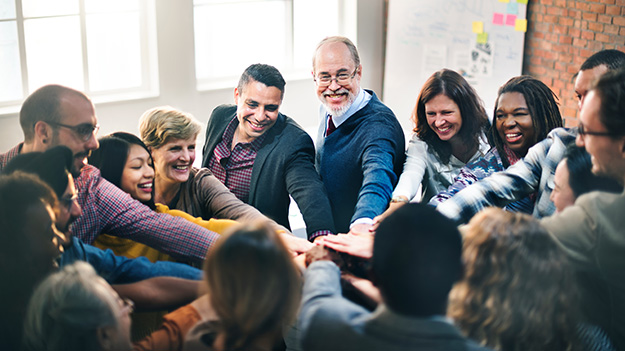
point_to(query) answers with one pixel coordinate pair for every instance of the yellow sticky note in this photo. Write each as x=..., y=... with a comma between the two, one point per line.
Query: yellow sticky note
x=522, y=1
x=504, y=1
x=520, y=25
x=482, y=38
x=478, y=27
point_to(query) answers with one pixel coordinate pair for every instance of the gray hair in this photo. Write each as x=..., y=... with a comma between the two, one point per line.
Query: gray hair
x=67, y=309
x=338, y=39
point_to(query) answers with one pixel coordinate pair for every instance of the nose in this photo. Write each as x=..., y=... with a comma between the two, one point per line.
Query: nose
x=184, y=155
x=75, y=209
x=149, y=172
x=334, y=85
x=439, y=121
x=509, y=121
x=92, y=143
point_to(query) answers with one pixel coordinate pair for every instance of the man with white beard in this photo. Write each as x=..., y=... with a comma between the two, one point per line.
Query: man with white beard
x=360, y=146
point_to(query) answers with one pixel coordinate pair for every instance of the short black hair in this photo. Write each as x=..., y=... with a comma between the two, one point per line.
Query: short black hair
x=613, y=59
x=262, y=73
x=416, y=260
x=52, y=166
x=581, y=178
x=610, y=88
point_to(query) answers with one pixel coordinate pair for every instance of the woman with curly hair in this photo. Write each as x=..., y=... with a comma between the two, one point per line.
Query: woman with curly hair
x=518, y=292
x=450, y=125
x=526, y=111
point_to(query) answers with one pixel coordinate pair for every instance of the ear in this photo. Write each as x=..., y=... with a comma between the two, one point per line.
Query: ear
x=106, y=336
x=236, y=96
x=359, y=74
x=43, y=132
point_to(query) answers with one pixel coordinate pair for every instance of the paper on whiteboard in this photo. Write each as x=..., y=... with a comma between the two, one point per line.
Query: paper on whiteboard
x=482, y=59
x=434, y=59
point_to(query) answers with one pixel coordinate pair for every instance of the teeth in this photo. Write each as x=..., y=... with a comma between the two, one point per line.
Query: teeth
x=444, y=129
x=182, y=168
x=145, y=186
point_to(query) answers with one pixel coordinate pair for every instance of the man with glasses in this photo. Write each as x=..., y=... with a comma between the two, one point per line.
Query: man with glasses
x=57, y=115
x=360, y=143
x=533, y=174
x=263, y=156
x=592, y=232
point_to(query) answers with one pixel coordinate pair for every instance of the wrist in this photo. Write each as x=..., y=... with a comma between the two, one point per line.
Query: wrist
x=399, y=199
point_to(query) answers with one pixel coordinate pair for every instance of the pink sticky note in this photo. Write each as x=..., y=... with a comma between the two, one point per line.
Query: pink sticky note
x=498, y=18
x=510, y=20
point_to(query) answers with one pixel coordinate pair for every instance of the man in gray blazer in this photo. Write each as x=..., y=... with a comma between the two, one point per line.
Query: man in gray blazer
x=416, y=260
x=263, y=156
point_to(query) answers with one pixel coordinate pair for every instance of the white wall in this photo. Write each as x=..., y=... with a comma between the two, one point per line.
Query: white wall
x=177, y=74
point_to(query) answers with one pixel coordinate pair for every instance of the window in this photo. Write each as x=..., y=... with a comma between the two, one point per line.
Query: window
x=231, y=35
x=103, y=48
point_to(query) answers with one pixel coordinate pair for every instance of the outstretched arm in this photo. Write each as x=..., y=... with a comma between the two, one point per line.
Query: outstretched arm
x=160, y=293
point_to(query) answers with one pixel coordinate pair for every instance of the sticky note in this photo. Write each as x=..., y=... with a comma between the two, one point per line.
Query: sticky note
x=512, y=8
x=511, y=20
x=520, y=25
x=522, y=2
x=504, y=0
x=478, y=27
x=498, y=18
x=482, y=38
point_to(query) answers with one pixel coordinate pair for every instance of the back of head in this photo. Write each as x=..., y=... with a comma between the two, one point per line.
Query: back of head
x=161, y=124
x=612, y=59
x=266, y=74
x=44, y=105
x=473, y=114
x=52, y=166
x=416, y=260
x=518, y=292
x=541, y=102
x=339, y=39
x=253, y=284
x=22, y=266
x=610, y=88
x=66, y=310
x=581, y=178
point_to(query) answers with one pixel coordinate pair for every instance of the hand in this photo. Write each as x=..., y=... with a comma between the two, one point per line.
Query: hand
x=355, y=245
x=294, y=244
x=391, y=208
x=360, y=228
x=319, y=253
x=365, y=287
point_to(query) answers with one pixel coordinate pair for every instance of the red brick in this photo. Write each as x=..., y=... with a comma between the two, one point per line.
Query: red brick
x=551, y=37
x=582, y=6
x=584, y=53
x=596, y=27
x=620, y=2
x=613, y=10
x=575, y=14
x=571, y=69
x=560, y=3
x=559, y=66
x=619, y=21
x=545, y=45
x=547, y=2
x=549, y=19
x=538, y=35
x=535, y=61
x=610, y=29
x=622, y=31
x=575, y=32
x=538, y=17
x=565, y=39
x=538, y=70
x=589, y=16
x=560, y=29
x=588, y=35
x=542, y=27
x=580, y=42
x=557, y=11
x=566, y=21
x=598, y=8
x=602, y=38
x=604, y=19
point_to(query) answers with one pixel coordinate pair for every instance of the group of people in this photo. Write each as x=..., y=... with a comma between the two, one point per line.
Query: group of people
x=541, y=273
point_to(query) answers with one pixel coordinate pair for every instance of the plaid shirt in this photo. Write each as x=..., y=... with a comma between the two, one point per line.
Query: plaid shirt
x=234, y=168
x=534, y=173
x=107, y=209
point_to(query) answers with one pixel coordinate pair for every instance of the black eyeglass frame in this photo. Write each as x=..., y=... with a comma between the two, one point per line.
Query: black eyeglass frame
x=85, y=131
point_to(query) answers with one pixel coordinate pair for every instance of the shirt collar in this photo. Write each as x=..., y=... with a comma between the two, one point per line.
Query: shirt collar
x=362, y=99
x=229, y=135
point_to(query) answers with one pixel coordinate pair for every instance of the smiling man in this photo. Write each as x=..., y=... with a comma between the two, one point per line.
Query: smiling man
x=263, y=156
x=360, y=144
x=57, y=115
x=592, y=231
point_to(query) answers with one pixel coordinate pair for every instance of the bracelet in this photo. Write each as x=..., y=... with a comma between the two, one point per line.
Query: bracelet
x=396, y=199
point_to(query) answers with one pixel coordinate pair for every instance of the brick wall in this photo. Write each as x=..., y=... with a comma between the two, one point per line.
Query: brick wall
x=561, y=34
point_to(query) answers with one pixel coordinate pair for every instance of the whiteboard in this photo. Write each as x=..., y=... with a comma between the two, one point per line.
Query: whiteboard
x=424, y=36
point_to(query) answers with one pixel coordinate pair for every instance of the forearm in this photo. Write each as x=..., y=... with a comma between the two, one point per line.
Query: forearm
x=160, y=293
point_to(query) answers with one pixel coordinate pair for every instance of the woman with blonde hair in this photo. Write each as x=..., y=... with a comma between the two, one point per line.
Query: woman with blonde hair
x=253, y=289
x=170, y=135
x=518, y=292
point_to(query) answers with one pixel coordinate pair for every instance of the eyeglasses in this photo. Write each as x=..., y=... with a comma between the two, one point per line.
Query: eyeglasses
x=341, y=79
x=68, y=202
x=581, y=130
x=84, y=131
